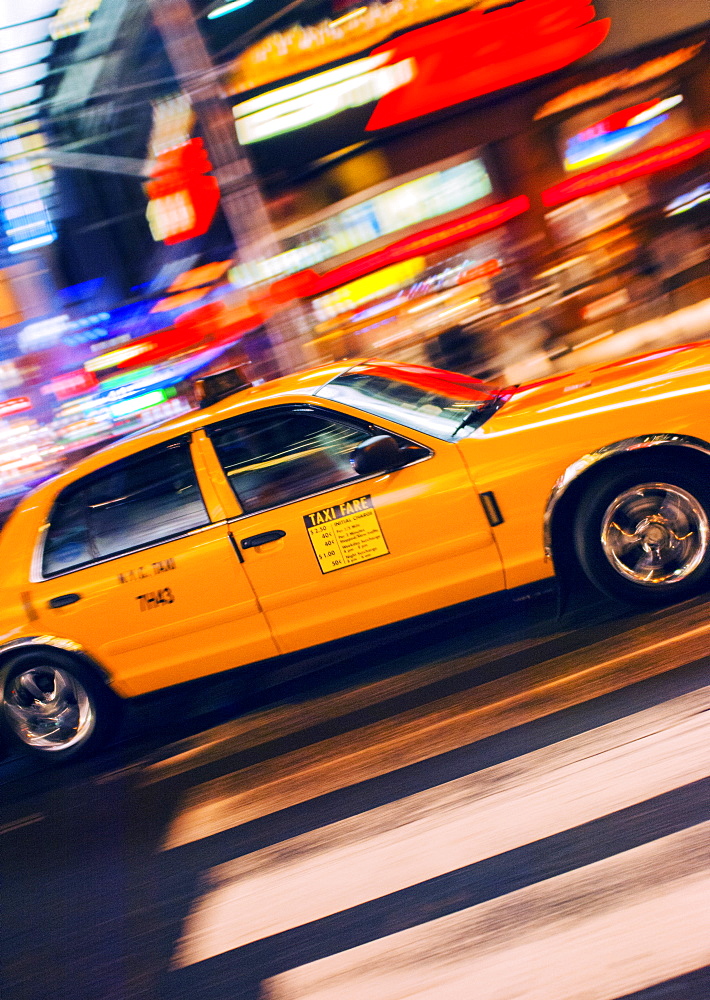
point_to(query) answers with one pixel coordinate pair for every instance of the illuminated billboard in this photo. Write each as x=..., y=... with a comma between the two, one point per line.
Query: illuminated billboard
x=451, y=187
x=479, y=52
x=300, y=48
x=319, y=97
x=641, y=165
x=625, y=129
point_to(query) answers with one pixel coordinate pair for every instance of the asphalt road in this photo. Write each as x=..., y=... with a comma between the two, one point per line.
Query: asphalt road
x=509, y=809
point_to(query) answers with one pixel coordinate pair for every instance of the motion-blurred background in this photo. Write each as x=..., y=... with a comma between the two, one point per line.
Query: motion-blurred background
x=506, y=190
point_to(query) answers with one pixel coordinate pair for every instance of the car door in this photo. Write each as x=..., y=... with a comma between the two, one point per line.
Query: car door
x=132, y=568
x=330, y=553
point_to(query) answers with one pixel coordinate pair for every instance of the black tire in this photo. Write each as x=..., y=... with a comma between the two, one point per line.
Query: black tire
x=642, y=532
x=55, y=707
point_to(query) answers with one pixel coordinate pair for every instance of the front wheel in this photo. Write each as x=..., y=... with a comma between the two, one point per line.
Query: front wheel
x=644, y=537
x=55, y=707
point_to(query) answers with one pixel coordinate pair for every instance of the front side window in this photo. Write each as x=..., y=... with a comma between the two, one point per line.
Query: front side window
x=278, y=455
x=131, y=504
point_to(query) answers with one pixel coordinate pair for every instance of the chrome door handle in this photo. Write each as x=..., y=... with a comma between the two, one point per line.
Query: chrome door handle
x=262, y=539
x=63, y=600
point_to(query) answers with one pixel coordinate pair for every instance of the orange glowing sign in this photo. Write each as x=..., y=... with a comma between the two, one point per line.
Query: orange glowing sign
x=197, y=276
x=648, y=162
x=179, y=300
x=426, y=241
x=480, y=52
x=625, y=79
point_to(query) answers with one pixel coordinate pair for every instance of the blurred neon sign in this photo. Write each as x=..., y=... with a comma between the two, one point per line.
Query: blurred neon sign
x=685, y=202
x=114, y=358
x=129, y=406
x=625, y=79
x=319, y=97
x=617, y=132
x=406, y=204
x=71, y=384
x=426, y=241
x=479, y=52
x=369, y=286
x=649, y=162
x=17, y=405
x=183, y=194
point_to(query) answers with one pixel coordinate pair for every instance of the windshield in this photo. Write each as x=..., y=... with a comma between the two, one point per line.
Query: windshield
x=426, y=399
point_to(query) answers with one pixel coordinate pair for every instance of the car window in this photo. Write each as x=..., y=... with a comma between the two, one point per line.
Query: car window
x=278, y=455
x=425, y=399
x=130, y=504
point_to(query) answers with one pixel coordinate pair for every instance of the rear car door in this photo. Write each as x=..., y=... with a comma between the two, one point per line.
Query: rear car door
x=132, y=568
x=330, y=553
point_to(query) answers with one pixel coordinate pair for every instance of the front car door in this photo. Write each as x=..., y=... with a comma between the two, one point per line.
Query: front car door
x=133, y=569
x=330, y=553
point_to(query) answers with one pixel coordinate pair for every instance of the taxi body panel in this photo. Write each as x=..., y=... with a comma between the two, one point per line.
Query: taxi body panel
x=405, y=542
x=430, y=528
x=523, y=450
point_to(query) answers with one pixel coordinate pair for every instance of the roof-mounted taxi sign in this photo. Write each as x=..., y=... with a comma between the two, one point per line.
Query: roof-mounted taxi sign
x=212, y=388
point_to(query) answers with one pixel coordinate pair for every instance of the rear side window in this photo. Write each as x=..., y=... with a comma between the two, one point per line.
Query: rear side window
x=139, y=501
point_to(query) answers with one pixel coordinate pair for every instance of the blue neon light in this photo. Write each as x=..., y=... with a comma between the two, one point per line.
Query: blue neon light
x=579, y=152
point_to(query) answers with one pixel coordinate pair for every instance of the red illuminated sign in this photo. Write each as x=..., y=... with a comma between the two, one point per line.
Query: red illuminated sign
x=71, y=384
x=479, y=52
x=648, y=162
x=17, y=405
x=183, y=196
x=206, y=326
x=426, y=241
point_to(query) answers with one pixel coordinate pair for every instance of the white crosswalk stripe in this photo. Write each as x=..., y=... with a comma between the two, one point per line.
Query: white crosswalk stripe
x=420, y=734
x=460, y=823
x=567, y=938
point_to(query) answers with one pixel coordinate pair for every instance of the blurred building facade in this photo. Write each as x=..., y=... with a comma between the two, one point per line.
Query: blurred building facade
x=470, y=185
x=578, y=196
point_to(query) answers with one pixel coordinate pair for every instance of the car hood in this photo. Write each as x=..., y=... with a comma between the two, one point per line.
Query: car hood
x=597, y=388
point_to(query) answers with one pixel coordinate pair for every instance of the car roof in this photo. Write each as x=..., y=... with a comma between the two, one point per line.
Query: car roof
x=286, y=388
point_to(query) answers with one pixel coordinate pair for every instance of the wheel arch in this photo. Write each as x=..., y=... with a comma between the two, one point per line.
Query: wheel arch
x=577, y=477
x=39, y=642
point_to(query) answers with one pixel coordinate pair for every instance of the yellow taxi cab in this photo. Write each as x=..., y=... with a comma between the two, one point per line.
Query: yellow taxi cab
x=332, y=502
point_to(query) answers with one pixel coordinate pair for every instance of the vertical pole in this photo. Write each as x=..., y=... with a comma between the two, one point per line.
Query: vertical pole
x=241, y=199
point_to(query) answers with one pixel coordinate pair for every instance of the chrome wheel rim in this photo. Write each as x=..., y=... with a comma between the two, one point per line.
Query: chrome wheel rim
x=655, y=534
x=48, y=708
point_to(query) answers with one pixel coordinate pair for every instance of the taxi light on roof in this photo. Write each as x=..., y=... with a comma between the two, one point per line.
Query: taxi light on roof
x=212, y=388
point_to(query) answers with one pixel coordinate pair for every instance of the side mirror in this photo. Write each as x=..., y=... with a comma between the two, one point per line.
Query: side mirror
x=377, y=454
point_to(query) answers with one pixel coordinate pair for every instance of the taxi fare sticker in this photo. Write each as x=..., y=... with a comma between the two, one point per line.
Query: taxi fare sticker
x=345, y=534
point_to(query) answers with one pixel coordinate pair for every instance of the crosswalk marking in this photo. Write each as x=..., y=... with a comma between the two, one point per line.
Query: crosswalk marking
x=453, y=825
x=596, y=933
x=275, y=723
x=426, y=732
x=688, y=623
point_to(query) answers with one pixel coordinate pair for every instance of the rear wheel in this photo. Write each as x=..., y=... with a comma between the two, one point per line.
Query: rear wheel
x=56, y=707
x=643, y=535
